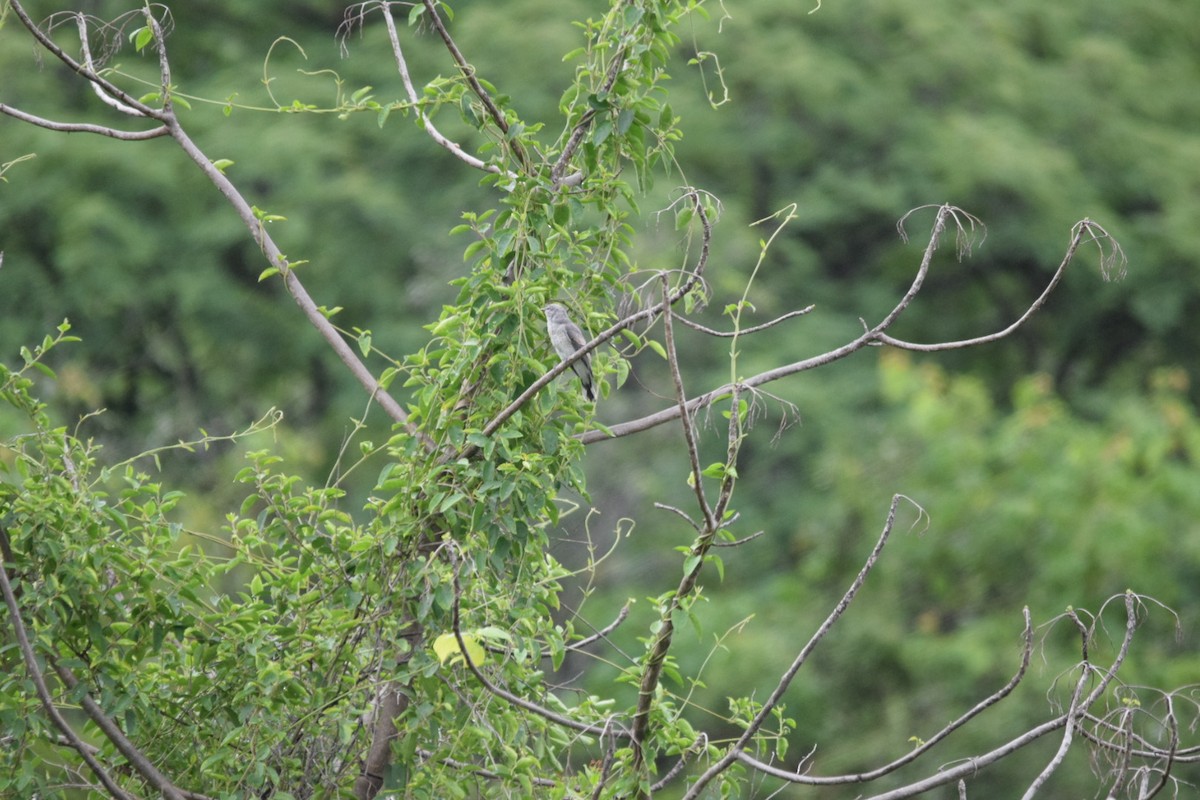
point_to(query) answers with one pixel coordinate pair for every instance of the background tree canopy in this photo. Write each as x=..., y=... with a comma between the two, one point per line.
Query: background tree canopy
x=1054, y=468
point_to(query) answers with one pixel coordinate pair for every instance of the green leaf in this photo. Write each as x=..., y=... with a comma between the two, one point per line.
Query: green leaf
x=446, y=648
x=142, y=37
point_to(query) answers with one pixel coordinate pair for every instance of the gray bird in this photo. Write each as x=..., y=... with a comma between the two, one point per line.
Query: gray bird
x=567, y=338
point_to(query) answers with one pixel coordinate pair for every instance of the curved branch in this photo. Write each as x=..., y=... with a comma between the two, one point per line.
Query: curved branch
x=468, y=73
x=907, y=758
x=1076, y=239
x=600, y=634
x=696, y=326
x=43, y=692
x=971, y=766
x=1067, y=738
x=874, y=336
x=414, y=98
x=785, y=680
x=83, y=127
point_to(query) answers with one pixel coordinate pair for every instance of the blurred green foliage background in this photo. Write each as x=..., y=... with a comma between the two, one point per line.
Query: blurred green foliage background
x=1055, y=468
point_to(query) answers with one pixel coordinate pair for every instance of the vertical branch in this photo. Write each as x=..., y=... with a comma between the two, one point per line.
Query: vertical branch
x=659, y=648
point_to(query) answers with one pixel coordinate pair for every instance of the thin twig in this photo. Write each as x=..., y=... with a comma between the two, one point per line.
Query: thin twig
x=732, y=753
x=696, y=326
x=926, y=745
x=1067, y=737
x=603, y=632
x=415, y=99
x=468, y=72
x=83, y=127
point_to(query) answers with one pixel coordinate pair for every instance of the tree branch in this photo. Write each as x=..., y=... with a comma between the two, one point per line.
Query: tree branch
x=865, y=777
x=873, y=336
x=43, y=692
x=415, y=99
x=83, y=127
x=109, y=88
x=738, y=746
x=468, y=73
x=696, y=326
x=664, y=635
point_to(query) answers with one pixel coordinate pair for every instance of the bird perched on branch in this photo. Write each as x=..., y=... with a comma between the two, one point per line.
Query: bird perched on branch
x=567, y=339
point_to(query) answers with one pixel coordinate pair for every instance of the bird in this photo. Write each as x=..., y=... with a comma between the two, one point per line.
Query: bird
x=566, y=338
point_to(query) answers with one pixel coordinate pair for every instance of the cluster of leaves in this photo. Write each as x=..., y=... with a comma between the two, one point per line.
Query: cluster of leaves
x=278, y=676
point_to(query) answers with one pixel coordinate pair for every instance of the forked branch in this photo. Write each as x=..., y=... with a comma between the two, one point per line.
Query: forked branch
x=1112, y=259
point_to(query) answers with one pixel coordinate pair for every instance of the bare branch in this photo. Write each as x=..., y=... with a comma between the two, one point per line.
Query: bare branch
x=689, y=429
x=1067, y=738
x=970, y=767
x=734, y=750
x=745, y=331
x=865, y=777
x=415, y=99
x=679, y=512
x=83, y=127
x=873, y=336
x=1078, y=232
x=603, y=632
x=468, y=72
